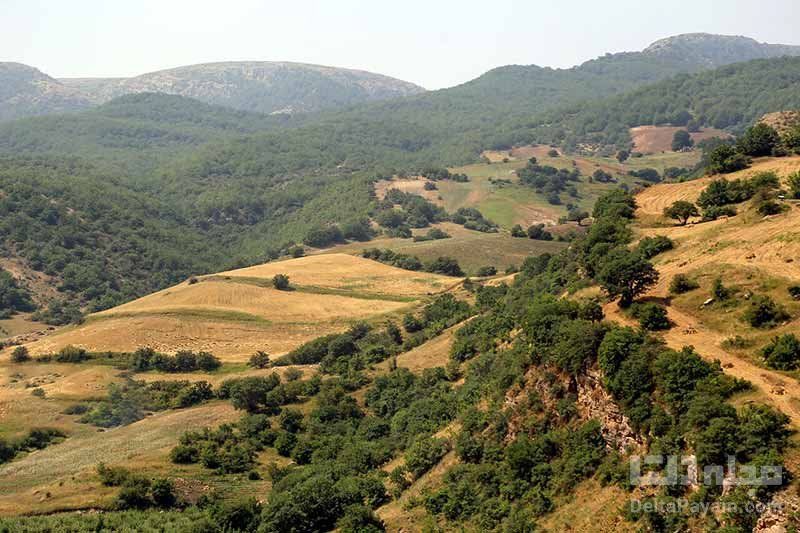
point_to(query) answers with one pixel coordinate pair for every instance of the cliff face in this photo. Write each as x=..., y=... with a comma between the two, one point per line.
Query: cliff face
x=545, y=389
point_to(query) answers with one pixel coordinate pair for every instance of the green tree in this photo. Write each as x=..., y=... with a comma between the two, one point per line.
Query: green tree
x=260, y=359
x=758, y=141
x=280, y=282
x=794, y=184
x=782, y=353
x=724, y=159
x=250, y=393
x=681, y=140
x=20, y=355
x=682, y=283
x=623, y=155
x=626, y=275
x=764, y=312
x=517, y=231
x=682, y=211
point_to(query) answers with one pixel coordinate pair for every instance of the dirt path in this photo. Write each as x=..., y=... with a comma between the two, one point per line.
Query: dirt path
x=781, y=392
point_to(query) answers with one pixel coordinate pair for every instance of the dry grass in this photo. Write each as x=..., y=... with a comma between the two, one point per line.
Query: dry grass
x=347, y=272
x=413, y=185
x=471, y=249
x=64, y=384
x=236, y=313
x=756, y=253
x=268, y=304
x=770, y=244
x=649, y=139
x=435, y=352
x=66, y=470
x=592, y=507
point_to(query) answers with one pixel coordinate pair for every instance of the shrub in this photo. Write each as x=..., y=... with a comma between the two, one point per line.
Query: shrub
x=183, y=454
x=782, y=353
x=486, y=271
x=517, y=231
x=720, y=291
x=737, y=342
x=423, y=454
x=207, y=362
x=259, y=359
x=445, y=265
x=112, y=476
x=650, y=247
x=764, y=312
x=652, y=317
x=280, y=282
x=682, y=283
x=537, y=232
x=20, y=355
x=71, y=354
x=293, y=374
x=284, y=443
x=714, y=212
x=794, y=291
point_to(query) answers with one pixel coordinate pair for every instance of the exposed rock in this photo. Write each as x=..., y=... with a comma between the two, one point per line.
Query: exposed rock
x=779, y=515
x=594, y=402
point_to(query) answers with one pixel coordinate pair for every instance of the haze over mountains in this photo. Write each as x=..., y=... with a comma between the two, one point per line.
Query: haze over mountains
x=283, y=87
x=258, y=86
x=299, y=298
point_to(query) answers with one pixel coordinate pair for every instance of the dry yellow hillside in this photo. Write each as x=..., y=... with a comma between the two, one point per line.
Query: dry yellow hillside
x=348, y=272
x=235, y=313
x=768, y=243
x=751, y=254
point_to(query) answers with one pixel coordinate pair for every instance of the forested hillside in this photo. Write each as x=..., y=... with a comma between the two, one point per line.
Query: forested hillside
x=250, y=184
x=731, y=97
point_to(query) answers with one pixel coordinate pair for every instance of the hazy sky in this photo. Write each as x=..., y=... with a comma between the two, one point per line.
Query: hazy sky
x=430, y=42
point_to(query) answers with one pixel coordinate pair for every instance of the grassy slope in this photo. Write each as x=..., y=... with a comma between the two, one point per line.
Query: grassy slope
x=234, y=319
x=753, y=255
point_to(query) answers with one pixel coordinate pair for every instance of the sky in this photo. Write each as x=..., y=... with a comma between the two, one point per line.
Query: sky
x=434, y=43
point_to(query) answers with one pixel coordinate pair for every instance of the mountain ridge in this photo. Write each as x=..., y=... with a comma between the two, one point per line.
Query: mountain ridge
x=259, y=86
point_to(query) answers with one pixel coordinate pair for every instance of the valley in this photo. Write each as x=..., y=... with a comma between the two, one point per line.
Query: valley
x=267, y=297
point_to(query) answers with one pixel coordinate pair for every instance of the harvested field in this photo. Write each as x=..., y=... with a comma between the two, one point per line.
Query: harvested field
x=65, y=471
x=235, y=313
x=649, y=139
x=347, y=272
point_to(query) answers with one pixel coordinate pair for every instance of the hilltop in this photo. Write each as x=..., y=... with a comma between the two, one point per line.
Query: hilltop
x=233, y=314
x=256, y=86
x=26, y=91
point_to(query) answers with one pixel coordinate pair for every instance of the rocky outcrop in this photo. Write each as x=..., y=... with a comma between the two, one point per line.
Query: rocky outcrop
x=594, y=402
x=780, y=514
x=543, y=388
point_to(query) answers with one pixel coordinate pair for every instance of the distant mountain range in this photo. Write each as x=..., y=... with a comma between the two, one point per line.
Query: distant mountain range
x=258, y=86
x=283, y=87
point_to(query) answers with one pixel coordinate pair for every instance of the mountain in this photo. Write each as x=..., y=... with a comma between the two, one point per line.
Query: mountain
x=245, y=184
x=26, y=91
x=257, y=86
x=711, y=51
x=260, y=86
x=731, y=97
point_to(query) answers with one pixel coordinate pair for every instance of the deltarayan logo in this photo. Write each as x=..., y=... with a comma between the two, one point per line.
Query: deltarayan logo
x=659, y=470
